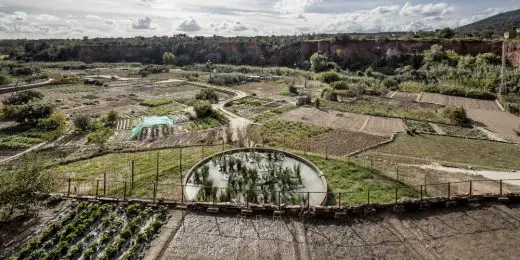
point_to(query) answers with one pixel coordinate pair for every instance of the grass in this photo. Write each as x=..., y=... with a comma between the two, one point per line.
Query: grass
x=203, y=124
x=419, y=126
x=478, y=153
x=373, y=109
x=164, y=110
x=14, y=138
x=354, y=181
x=246, y=103
x=280, y=133
x=156, y=102
x=469, y=132
x=271, y=114
x=118, y=168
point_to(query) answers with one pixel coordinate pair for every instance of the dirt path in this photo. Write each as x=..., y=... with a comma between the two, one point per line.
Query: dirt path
x=512, y=178
x=22, y=153
x=24, y=87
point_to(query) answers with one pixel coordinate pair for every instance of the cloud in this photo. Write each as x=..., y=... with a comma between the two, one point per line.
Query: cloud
x=301, y=17
x=430, y=9
x=293, y=6
x=386, y=9
x=189, y=25
x=93, y=17
x=46, y=17
x=143, y=23
x=20, y=16
x=418, y=26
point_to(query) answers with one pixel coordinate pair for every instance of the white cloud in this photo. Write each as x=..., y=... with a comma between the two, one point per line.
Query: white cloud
x=426, y=9
x=143, y=23
x=386, y=9
x=46, y=17
x=294, y=6
x=301, y=17
x=93, y=17
x=189, y=25
x=20, y=16
x=418, y=26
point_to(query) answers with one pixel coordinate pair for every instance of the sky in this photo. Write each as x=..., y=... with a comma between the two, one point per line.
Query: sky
x=127, y=18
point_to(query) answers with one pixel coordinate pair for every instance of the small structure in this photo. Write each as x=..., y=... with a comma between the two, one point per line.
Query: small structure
x=512, y=34
x=149, y=122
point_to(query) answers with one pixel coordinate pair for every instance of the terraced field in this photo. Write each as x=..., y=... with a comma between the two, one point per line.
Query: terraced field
x=346, y=121
x=498, y=122
x=467, y=103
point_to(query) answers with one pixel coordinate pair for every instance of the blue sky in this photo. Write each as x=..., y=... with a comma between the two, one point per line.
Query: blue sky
x=126, y=18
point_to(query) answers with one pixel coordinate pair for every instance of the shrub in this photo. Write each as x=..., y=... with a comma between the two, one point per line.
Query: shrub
x=339, y=85
x=4, y=80
x=208, y=94
x=56, y=121
x=83, y=123
x=100, y=136
x=111, y=119
x=457, y=115
x=203, y=109
x=318, y=62
x=30, y=113
x=227, y=78
x=24, y=97
x=390, y=83
x=329, y=77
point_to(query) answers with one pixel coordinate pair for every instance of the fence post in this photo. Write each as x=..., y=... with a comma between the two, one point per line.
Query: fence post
x=104, y=184
x=154, y=192
x=449, y=190
x=368, y=195
x=68, y=190
x=396, y=194
x=470, y=188
x=157, y=168
x=180, y=161
x=279, y=199
x=182, y=194
x=371, y=163
x=97, y=188
x=308, y=200
x=339, y=200
x=124, y=190
x=397, y=171
x=500, y=187
x=421, y=191
x=132, y=178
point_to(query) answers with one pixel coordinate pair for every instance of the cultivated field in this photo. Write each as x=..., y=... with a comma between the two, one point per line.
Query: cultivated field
x=340, y=142
x=500, y=123
x=442, y=234
x=467, y=103
x=346, y=121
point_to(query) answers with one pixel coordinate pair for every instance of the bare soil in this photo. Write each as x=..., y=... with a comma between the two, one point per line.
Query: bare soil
x=500, y=123
x=340, y=142
x=403, y=95
x=346, y=121
x=463, y=233
x=402, y=102
x=467, y=103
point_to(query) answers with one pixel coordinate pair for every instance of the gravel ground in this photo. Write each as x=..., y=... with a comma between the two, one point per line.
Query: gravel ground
x=487, y=232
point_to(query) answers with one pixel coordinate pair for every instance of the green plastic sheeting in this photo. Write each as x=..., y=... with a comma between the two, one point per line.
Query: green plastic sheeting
x=151, y=121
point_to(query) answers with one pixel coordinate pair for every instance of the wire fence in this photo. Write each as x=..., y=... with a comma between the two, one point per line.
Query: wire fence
x=188, y=194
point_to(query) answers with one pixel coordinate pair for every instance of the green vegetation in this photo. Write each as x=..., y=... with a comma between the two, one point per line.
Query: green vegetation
x=207, y=94
x=203, y=124
x=369, y=108
x=457, y=115
x=480, y=153
x=20, y=188
x=279, y=133
x=203, y=109
x=353, y=182
x=465, y=132
x=164, y=110
x=419, y=126
x=119, y=233
x=168, y=58
x=226, y=79
x=156, y=102
x=246, y=103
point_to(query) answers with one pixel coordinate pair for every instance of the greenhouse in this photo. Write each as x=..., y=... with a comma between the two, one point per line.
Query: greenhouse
x=150, y=122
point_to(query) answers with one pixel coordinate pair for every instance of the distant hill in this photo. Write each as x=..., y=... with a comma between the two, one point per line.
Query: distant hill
x=497, y=24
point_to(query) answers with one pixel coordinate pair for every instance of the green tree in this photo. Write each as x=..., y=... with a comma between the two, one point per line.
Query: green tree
x=318, y=62
x=111, y=119
x=20, y=98
x=168, y=58
x=83, y=123
x=446, y=33
x=203, y=109
x=21, y=188
x=31, y=113
x=208, y=94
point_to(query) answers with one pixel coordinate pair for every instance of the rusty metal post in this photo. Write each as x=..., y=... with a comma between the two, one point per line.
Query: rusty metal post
x=501, y=188
x=104, y=184
x=396, y=194
x=124, y=190
x=97, y=188
x=132, y=178
x=449, y=190
x=339, y=200
x=308, y=200
x=157, y=169
x=397, y=171
x=279, y=199
x=421, y=192
x=154, y=192
x=470, y=188
x=182, y=194
x=68, y=190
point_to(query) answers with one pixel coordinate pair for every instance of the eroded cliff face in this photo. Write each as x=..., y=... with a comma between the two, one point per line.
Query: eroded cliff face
x=362, y=51
x=512, y=53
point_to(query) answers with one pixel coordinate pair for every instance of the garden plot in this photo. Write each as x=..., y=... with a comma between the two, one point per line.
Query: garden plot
x=346, y=121
x=467, y=103
x=95, y=231
x=500, y=123
x=403, y=95
x=340, y=142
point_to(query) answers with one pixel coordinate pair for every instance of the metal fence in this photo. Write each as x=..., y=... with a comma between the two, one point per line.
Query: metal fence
x=171, y=192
